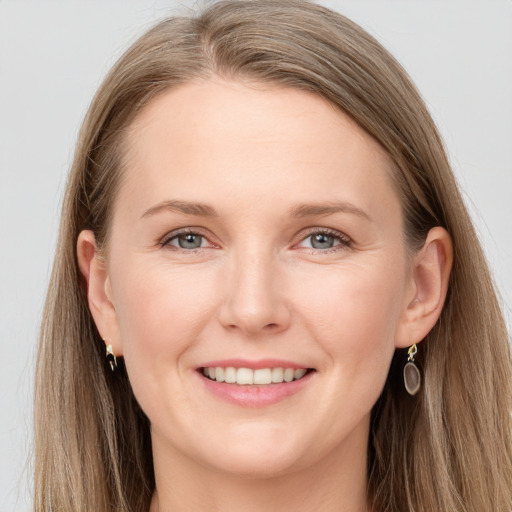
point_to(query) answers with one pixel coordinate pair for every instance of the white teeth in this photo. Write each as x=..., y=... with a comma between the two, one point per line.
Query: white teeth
x=297, y=374
x=246, y=376
x=288, y=374
x=277, y=375
x=263, y=376
x=230, y=375
x=219, y=374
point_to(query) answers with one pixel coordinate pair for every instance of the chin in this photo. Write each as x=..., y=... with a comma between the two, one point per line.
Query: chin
x=257, y=457
x=257, y=467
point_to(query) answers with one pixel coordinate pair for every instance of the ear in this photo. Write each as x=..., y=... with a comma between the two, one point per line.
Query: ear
x=429, y=278
x=99, y=292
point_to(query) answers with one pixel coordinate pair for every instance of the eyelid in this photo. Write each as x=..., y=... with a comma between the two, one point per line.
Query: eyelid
x=344, y=240
x=164, y=241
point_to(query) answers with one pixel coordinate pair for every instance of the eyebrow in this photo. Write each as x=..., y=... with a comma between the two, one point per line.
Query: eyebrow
x=300, y=210
x=314, y=209
x=185, y=207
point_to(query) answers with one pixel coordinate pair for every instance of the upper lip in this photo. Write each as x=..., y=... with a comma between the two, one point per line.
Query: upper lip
x=253, y=365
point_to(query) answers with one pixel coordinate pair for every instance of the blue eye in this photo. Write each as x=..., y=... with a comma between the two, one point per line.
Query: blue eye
x=187, y=241
x=325, y=240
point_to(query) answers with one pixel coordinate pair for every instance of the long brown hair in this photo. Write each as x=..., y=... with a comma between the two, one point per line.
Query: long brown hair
x=448, y=448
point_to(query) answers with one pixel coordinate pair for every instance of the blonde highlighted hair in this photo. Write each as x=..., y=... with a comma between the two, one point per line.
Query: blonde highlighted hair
x=448, y=448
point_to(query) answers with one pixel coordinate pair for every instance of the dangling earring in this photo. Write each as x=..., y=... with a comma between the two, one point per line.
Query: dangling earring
x=412, y=376
x=111, y=357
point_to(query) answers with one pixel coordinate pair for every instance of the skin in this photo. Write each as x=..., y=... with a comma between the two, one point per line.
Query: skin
x=257, y=288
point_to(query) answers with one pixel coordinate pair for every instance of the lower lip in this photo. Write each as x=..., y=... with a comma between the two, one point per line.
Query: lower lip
x=255, y=395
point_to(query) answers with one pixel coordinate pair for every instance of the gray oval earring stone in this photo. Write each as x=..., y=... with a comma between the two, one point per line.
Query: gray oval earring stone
x=412, y=378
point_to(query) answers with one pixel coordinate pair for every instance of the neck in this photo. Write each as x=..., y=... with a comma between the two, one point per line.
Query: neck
x=336, y=483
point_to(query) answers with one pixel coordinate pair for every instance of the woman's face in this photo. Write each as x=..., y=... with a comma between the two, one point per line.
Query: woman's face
x=255, y=228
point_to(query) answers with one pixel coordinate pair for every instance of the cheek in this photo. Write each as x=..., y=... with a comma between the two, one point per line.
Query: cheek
x=355, y=318
x=161, y=314
x=160, y=310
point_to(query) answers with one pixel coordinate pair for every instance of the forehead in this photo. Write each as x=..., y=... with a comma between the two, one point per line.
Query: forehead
x=249, y=109
x=245, y=141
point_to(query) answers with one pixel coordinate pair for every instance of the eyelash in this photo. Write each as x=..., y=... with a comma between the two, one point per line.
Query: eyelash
x=165, y=242
x=344, y=242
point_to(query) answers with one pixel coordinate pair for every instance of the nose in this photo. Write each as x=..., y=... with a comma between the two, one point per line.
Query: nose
x=254, y=301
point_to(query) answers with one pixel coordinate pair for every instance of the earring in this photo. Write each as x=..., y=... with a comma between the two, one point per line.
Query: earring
x=111, y=357
x=412, y=376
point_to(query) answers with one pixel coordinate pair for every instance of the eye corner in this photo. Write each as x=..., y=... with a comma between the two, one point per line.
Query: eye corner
x=187, y=240
x=326, y=239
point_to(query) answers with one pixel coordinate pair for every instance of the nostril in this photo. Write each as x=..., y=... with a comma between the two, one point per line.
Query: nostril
x=252, y=315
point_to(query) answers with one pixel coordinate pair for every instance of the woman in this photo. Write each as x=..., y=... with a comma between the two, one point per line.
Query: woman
x=268, y=294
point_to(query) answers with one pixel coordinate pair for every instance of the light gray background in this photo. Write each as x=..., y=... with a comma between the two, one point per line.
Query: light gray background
x=52, y=58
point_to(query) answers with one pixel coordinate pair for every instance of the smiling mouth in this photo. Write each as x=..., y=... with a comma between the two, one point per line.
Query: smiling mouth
x=247, y=376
